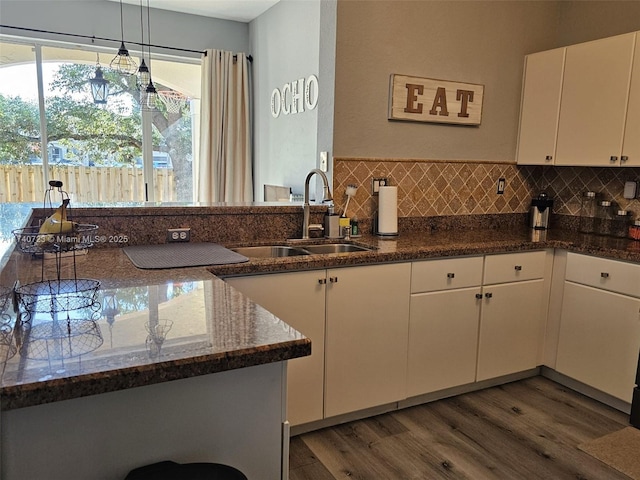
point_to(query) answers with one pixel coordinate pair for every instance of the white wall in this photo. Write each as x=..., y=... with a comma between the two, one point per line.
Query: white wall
x=101, y=18
x=285, y=44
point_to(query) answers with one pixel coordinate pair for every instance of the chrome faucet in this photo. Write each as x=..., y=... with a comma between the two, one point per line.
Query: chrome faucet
x=327, y=198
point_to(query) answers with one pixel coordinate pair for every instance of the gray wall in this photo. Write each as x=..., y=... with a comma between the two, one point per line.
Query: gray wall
x=102, y=19
x=285, y=45
x=476, y=42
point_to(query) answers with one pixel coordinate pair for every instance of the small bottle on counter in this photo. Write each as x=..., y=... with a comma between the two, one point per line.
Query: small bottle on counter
x=588, y=212
x=634, y=230
x=620, y=227
x=604, y=218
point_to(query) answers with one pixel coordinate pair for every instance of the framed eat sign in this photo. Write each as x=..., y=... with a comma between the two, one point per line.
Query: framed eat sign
x=418, y=99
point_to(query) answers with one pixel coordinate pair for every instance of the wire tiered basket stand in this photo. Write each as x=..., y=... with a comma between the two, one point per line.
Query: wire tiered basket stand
x=57, y=318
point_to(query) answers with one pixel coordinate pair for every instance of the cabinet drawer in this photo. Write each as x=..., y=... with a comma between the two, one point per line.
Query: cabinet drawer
x=446, y=274
x=514, y=267
x=612, y=275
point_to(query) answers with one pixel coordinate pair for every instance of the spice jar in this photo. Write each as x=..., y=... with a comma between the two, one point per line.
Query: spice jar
x=620, y=225
x=588, y=212
x=604, y=218
x=634, y=230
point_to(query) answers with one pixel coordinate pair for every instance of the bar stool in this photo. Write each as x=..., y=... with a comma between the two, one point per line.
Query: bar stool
x=169, y=470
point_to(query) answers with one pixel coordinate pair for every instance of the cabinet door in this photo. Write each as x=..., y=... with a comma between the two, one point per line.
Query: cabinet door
x=631, y=146
x=599, y=339
x=594, y=101
x=298, y=298
x=366, y=338
x=540, y=107
x=510, y=328
x=443, y=340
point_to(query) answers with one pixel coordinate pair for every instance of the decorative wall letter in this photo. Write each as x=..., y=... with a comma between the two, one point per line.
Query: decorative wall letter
x=295, y=97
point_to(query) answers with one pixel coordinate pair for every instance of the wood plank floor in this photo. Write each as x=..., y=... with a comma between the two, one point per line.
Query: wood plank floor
x=528, y=429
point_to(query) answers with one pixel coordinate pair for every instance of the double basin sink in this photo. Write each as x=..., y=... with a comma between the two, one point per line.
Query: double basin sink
x=275, y=251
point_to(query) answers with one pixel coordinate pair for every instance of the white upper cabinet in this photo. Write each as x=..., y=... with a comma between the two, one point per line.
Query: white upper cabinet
x=594, y=101
x=631, y=146
x=540, y=107
x=581, y=105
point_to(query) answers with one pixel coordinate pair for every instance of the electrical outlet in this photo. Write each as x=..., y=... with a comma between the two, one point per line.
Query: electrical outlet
x=501, y=184
x=178, y=235
x=376, y=183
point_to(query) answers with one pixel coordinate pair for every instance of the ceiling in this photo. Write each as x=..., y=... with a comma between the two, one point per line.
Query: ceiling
x=238, y=10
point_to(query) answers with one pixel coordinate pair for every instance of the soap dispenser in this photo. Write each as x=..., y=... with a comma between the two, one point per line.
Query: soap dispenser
x=331, y=223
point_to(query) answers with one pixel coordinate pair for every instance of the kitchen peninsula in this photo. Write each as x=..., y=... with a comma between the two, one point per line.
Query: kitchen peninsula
x=191, y=371
x=219, y=341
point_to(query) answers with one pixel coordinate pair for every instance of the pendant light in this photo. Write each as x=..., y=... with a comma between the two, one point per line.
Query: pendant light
x=151, y=93
x=144, y=75
x=99, y=86
x=122, y=62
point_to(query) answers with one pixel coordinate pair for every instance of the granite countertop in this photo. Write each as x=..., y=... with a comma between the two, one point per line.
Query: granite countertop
x=171, y=324
x=420, y=245
x=215, y=328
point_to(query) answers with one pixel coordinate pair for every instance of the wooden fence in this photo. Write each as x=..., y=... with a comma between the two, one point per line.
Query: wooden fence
x=25, y=183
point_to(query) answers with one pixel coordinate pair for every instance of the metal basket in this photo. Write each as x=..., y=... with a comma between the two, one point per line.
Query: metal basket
x=60, y=339
x=30, y=240
x=54, y=296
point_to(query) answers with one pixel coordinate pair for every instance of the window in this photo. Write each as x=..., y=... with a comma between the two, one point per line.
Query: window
x=98, y=151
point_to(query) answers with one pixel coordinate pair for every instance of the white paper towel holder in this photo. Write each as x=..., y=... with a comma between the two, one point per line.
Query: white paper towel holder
x=375, y=228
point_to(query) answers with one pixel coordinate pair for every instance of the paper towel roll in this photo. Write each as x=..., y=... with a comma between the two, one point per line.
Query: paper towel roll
x=388, y=211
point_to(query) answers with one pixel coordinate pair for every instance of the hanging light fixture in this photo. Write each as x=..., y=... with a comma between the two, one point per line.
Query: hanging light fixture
x=151, y=93
x=99, y=86
x=144, y=75
x=122, y=62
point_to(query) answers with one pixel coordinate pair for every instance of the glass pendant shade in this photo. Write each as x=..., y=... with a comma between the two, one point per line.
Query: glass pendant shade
x=151, y=95
x=99, y=87
x=144, y=76
x=123, y=63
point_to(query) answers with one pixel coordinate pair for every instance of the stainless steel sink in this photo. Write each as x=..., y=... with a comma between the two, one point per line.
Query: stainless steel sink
x=275, y=251
x=269, y=251
x=334, y=248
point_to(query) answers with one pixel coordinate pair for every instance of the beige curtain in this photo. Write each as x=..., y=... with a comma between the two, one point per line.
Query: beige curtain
x=224, y=170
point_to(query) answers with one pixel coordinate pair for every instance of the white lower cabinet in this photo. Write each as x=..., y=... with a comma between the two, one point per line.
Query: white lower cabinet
x=298, y=298
x=475, y=318
x=599, y=334
x=358, y=359
x=443, y=340
x=510, y=328
x=366, y=338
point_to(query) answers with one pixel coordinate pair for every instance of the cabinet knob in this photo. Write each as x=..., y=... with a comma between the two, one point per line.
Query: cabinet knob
x=488, y=295
x=518, y=268
x=613, y=158
x=624, y=158
x=604, y=274
x=478, y=296
x=451, y=275
x=333, y=279
x=548, y=158
x=322, y=281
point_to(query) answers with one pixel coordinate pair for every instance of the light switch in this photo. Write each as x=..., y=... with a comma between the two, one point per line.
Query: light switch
x=324, y=161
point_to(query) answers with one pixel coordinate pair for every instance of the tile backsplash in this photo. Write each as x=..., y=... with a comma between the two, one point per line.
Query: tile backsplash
x=444, y=188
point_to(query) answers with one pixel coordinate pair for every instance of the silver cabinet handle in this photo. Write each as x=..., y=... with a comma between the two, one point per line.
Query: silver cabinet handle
x=548, y=158
x=451, y=275
x=613, y=158
x=624, y=158
x=322, y=281
x=518, y=268
x=604, y=274
x=333, y=279
x=478, y=296
x=488, y=295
